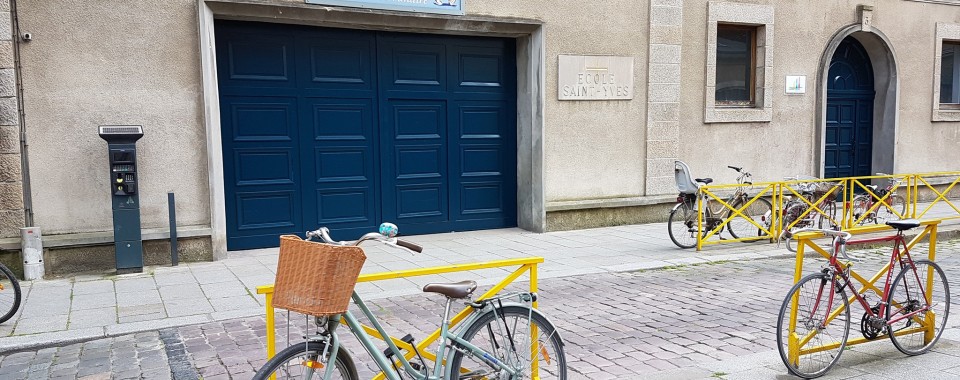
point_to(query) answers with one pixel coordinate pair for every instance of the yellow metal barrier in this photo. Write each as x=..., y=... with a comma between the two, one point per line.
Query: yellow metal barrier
x=941, y=196
x=526, y=265
x=796, y=345
x=735, y=209
x=856, y=205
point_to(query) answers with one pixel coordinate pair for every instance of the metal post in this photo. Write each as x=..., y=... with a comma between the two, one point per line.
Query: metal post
x=172, y=203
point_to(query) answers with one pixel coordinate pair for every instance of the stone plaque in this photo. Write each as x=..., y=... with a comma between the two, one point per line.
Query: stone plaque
x=595, y=77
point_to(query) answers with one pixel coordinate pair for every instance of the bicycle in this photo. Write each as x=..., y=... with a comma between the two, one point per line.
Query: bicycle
x=816, y=207
x=682, y=223
x=517, y=340
x=892, y=205
x=9, y=293
x=912, y=312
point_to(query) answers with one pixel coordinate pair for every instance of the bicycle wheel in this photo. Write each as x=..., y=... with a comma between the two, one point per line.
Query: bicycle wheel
x=506, y=334
x=861, y=204
x=917, y=334
x=813, y=329
x=291, y=364
x=895, y=207
x=828, y=216
x=9, y=294
x=682, y=226
x=741, y=228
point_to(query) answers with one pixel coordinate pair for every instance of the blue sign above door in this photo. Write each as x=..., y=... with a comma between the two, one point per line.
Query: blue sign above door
x=451, y=7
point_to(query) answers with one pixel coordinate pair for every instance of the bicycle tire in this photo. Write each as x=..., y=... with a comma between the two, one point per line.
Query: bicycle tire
x=817, y=366
x=10, y=294
x=345, y=367
x=684, y=221
x=897, y=205
x=828, y=215
x=861, y=204
x=507, y=314
x=939, y=298
x=741, y=228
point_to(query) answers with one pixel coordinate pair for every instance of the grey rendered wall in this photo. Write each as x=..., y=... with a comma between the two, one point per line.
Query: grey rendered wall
x=94, y=63
x=790, y=143
x=592, y=149
x=118, y=62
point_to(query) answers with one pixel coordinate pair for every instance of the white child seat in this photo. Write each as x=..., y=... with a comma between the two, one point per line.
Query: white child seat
x=685, y=181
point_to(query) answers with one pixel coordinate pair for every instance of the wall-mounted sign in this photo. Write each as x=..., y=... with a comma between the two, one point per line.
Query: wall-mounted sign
x=595, y=77
x=450, y=7
x=796, y=84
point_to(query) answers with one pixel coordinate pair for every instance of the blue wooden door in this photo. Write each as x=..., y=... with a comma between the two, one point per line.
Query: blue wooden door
x=850, y=94
x=346, y=129
x=447, y=123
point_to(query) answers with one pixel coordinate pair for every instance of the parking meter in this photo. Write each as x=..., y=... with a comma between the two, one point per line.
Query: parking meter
x=123, y=187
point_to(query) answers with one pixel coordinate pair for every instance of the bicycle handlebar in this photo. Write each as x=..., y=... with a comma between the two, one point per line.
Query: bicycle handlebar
x=839, y=239
x=323, y=233
x=735, y=168
x=835, y=233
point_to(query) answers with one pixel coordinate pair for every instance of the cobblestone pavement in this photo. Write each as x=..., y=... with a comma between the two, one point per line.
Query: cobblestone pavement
x=87, y=307
x=693, y=321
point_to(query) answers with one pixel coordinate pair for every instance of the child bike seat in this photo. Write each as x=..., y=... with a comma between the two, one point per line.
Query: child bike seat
x=685, y=182
x=457, y=290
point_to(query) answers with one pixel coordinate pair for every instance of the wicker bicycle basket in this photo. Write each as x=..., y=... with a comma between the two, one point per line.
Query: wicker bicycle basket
x=830, y=189
x=315, y=278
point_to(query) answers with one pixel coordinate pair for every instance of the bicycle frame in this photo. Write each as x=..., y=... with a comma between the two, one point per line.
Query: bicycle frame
x=385, y=364
x=841, y=270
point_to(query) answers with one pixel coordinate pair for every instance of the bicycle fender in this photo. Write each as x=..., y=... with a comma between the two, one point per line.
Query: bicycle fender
x=676, y=206
x=448, y=372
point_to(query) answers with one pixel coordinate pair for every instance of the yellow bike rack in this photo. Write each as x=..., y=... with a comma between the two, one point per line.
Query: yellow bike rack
x=526, y=265
x=910, y=186
x=797, y=345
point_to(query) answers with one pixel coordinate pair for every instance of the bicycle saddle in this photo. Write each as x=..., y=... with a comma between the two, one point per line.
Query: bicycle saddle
x=462, y=289
x=905, y=224
x=872, y=188
x=704, y=180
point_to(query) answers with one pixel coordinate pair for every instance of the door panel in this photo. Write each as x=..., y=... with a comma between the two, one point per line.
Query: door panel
x=415, y=184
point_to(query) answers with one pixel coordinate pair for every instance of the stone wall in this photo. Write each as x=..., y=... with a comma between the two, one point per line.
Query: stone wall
x=11, y=179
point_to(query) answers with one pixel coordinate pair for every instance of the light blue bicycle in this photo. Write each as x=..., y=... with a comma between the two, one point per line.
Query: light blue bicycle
x=504, y=338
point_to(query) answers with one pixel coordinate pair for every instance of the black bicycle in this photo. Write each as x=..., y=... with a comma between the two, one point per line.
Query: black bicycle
x=9, y=293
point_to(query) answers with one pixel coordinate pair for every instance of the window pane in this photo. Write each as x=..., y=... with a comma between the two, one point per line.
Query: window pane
x=950, y=73
x=735, y=49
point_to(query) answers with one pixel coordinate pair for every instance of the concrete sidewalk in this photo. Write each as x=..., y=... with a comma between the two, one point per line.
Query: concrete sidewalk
x=93, y=306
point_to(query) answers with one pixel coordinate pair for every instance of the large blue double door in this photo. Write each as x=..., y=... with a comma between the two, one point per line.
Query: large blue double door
x=345, y=129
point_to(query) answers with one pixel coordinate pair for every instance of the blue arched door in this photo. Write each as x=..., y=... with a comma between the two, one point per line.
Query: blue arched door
x=850, y=94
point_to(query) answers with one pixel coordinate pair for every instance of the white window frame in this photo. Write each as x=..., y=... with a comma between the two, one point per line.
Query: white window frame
x=762, y=17
x=949, y=32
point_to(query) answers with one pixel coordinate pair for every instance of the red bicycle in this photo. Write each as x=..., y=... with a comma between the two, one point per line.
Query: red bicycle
x=814, y=321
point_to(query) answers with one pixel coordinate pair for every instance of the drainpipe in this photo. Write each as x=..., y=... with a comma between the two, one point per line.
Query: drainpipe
x=24, y=160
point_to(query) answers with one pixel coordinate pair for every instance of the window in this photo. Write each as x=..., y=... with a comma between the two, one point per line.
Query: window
x=736, y=65
x=950, y=73
x=739, y=66
x=946, y=73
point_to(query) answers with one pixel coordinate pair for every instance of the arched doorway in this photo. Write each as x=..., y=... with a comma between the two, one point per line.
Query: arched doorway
x=848, y=143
